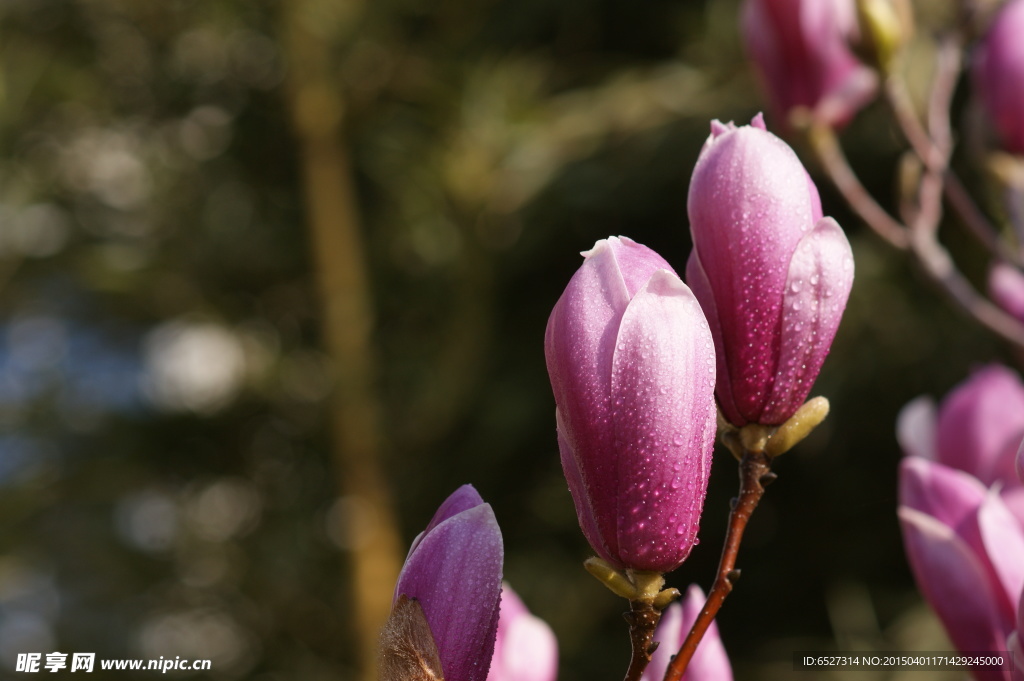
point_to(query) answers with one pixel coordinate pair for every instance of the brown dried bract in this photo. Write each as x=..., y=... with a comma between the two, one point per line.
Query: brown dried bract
x=407, y=648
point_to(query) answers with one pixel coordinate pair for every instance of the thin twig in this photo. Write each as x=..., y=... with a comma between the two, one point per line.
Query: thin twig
x=932, y=156
x=939, y=267
x=947, y=71
x=755, y=474
x=643, y=619
x=830, y=155
x=903, y=110
x=937, y=142
x=922, y=244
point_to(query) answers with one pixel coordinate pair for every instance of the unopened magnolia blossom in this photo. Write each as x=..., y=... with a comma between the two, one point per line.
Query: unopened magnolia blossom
x=453, y=574
x=771, y=273
x=801, y=51
x=632, y=367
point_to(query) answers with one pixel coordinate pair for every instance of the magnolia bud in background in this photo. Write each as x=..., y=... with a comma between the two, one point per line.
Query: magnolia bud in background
x=967, y=554
x=999, y=75
x=772, y=275
x=526, y=649
x=1006, y=286
x=884, y=27
x=978, y=429
x=801, y=51
x=632, y=367
x=453, y=575
x=710, y=661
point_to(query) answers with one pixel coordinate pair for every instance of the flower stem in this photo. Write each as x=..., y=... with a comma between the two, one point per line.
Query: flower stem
x=755, y=474
x=643, y=618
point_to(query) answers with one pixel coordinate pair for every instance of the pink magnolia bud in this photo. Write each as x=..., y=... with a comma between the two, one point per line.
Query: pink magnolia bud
x=631, y=363
x=978, y=429
x=526, y=649
x=967, y=553
x=800, y=48
x=710, y=661
x=1006, y=286
x=771, y=273
x=999, y=75
x=453, y=571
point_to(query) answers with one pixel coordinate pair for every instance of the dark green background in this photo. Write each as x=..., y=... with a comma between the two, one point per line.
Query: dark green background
x=491, y=142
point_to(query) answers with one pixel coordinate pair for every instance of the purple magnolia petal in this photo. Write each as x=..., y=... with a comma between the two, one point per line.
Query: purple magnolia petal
x=1003, y=548
x=955, y=584
x=455, y=574
x=817, y=287
x=979, y=420
x=582, y=498
x=663, y=383
x=710, y=661
x=816, y=210
x=636, y=263
x=1013, y=497
x=526, y=649
x=698, y=282
x=462, y=499
x=998, y=62
x=950, y=496
x=915, y=428
x=579, y=343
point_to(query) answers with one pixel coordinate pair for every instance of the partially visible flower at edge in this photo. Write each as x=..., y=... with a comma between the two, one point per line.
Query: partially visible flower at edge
x=998, y=75
x=966, y=551
x=452, y=572
x=802, y=53
x=978, y=428
x=710, y=661
x=526, y=648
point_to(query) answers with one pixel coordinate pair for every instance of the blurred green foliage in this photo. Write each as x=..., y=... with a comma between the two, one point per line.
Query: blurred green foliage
x=164, y=469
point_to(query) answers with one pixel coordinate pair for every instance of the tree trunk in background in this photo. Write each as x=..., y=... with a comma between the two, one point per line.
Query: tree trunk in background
x=316, y=109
